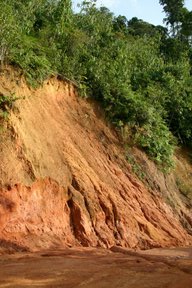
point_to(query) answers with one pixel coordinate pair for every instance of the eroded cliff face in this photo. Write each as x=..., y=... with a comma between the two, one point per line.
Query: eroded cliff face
x=64, y=180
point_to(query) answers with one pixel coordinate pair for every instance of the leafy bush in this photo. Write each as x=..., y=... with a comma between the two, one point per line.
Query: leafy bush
x=31, y=58
x=6, y=103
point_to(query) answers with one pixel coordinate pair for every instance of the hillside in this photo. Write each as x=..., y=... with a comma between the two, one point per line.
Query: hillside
x=64, y=179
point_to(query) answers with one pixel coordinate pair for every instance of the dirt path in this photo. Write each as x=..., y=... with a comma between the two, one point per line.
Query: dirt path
x=98, y=268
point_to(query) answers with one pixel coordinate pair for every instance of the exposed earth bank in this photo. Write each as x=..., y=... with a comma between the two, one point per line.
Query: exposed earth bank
x=64, y=180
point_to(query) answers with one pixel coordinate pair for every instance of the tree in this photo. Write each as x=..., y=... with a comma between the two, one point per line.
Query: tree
x=120, y=24
x=186, y=27
x=174, y=13
x=9, y=31
x=138, y=27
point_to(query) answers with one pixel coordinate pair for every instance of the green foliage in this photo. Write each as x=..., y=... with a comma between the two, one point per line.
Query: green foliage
x=179, y=18
x=139, y=74
x=31, y=58
x=138, y=27
x=136, y=167
x=9, y=32
x=173, y=10
x=6, y=104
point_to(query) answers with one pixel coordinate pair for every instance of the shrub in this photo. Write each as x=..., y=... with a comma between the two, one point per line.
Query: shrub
x=6, y=103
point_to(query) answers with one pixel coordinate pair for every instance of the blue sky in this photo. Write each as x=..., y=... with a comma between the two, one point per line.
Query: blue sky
x=148, y=10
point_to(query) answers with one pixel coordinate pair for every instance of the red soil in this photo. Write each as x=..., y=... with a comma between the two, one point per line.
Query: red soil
x=64, y=180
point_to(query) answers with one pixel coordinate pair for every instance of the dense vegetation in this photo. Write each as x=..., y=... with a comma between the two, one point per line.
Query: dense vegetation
x=139, y=72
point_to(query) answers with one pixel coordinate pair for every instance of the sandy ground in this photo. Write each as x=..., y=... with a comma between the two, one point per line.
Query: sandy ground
x=98, y=268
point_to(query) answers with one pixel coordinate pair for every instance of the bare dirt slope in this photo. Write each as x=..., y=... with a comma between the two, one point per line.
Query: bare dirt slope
x=64, y=180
